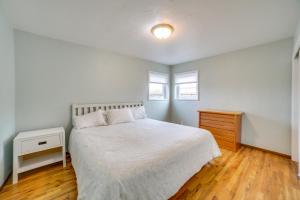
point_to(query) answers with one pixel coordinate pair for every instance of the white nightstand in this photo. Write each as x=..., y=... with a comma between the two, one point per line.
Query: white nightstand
x=29, y=143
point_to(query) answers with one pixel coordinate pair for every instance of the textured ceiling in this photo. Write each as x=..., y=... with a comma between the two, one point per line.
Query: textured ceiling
x=202, y=27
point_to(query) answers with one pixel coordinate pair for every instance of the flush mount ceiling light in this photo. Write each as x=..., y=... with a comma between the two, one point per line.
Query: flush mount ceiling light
x=162, y=31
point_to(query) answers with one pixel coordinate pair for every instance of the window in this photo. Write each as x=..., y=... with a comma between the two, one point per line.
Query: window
x=158, y=86
x=186, y=86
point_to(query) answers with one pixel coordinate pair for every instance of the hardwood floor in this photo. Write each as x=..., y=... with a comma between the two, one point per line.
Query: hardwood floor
x=247, y=174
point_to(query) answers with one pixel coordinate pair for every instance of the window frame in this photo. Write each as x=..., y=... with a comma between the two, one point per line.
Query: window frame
x=166, y=85
x=175, y=85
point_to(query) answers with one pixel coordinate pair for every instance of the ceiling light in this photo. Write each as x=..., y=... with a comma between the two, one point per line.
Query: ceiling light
x=162, y=31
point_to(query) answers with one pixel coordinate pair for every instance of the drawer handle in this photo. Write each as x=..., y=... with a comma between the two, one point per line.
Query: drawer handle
x=43, y=142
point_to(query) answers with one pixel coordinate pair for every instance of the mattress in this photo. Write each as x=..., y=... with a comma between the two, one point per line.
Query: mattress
x=142, y=160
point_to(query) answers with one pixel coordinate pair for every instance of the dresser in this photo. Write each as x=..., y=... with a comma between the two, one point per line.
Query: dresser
x=224, y=125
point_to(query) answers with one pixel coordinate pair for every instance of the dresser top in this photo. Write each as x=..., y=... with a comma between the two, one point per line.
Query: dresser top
x=37, y=133
x=208, y=110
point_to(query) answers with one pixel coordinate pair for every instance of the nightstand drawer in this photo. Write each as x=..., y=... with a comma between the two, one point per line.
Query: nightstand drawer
x=40, y=144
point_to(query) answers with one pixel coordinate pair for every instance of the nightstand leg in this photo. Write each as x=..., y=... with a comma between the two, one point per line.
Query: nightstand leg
x=15, y=177
x=64, y=157
x=15, y=163
x=64, y=162
x=64, y=149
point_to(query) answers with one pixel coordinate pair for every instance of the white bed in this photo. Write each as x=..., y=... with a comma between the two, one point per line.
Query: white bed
x=142, y=160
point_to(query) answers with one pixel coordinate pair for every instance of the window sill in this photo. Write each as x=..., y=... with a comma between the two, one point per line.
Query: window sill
x=186, y=99
x=158, y=99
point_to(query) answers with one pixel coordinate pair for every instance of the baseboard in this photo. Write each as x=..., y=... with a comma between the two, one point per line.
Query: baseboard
x=266, y=150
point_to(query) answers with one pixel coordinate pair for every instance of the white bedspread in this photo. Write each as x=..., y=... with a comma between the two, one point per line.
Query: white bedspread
x=142, y=160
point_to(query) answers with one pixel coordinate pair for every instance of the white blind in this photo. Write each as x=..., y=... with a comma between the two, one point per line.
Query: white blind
x=155, y=77
x=186, y=77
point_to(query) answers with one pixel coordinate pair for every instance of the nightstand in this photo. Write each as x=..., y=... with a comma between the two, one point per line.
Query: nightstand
x=33, y=149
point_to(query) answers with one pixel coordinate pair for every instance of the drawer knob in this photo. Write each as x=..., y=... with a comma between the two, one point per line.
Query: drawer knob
x=43, y=142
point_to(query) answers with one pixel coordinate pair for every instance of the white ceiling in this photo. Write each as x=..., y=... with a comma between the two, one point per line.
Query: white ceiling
x=202, y=27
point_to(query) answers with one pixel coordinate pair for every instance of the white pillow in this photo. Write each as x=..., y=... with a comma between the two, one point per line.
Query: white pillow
x=89, y=120
x=139, y=112
x=116, y=116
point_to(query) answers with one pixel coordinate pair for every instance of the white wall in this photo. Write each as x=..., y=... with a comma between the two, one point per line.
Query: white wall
x=7, y=96
x=52, y=74
x=256, y=81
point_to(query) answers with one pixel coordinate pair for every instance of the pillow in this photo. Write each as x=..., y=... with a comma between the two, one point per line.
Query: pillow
x=139, y=112
x=89, y=120
x=116, y=116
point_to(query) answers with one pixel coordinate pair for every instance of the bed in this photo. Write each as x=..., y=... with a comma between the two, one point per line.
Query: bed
x=141, y=160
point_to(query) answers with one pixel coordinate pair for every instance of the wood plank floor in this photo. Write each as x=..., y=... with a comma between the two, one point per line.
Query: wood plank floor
x=247, y=174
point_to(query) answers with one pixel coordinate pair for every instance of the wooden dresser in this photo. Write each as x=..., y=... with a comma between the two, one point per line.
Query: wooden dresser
x=224, y=125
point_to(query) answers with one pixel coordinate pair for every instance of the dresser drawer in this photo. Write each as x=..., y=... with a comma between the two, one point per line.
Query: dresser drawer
x=40, y=144
x=226, y=145
x=221, y=134
x=218, y=124
x=219, y=117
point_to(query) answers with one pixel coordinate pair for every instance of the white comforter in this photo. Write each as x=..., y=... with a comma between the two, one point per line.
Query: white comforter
x=141, y=160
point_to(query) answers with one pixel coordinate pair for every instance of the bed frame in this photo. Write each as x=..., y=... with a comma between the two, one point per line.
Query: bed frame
x=81, y=109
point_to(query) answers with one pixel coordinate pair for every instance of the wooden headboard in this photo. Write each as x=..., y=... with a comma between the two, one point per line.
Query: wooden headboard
x=81, y=109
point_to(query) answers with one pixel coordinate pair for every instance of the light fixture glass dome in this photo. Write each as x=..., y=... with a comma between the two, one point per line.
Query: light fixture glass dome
x=162, y=31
